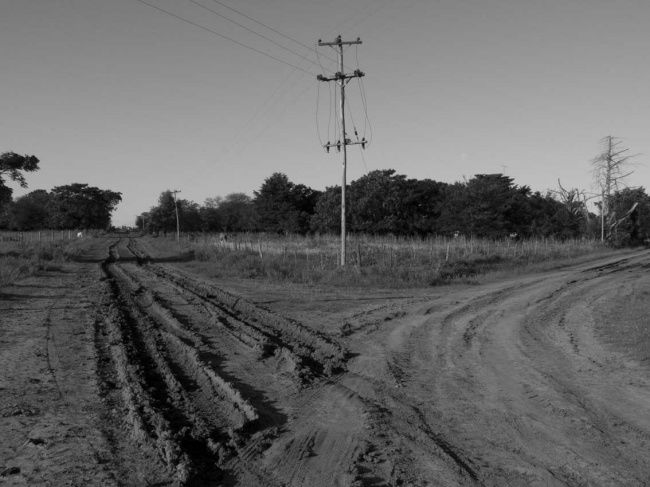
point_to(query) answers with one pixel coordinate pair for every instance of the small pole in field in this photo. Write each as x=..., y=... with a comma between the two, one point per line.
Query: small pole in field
x=178, y=225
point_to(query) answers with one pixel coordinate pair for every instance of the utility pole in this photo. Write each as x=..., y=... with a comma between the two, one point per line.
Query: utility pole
x=342, y=80
x=178, y=225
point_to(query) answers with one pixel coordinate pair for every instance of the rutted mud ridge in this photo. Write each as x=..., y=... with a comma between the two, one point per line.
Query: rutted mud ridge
x=254, y=325
x=184, y=397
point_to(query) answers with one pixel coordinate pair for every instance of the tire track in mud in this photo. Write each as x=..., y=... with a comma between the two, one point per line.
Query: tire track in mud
x=255, y=325
x=529, y=330
x=186, y=363
x=174, y=402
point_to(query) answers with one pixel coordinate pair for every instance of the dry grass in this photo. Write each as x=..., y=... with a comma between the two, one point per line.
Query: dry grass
x=372, y=261
x=22, y=255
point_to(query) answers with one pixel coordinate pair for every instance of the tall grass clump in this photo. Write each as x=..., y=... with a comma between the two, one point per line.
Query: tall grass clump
x=382, y=261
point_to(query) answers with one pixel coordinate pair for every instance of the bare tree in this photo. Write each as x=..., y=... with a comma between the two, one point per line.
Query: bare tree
x=610, y=168
x=574, y=200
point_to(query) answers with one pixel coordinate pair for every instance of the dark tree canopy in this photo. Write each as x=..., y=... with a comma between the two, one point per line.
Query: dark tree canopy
x=81, y=206
x=237, y=213
x=629, y=221
x=385, y=202
x=162, y=218
x=65, y=207
x=283, y=206
x=30, y=212
x=13, y=166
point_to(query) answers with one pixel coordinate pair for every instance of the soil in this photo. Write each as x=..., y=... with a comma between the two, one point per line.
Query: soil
x=124, y=368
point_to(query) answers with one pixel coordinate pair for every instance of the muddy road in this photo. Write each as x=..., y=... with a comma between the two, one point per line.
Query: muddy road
x=132, y=368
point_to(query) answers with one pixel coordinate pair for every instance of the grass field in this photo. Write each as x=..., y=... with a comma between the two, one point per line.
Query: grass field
x=377, y=261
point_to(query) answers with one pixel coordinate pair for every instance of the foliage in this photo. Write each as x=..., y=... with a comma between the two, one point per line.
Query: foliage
x=629, y=217
x=236, y=213
x=81, y=206
x=31, y=212
x=14, y=165
x=284, y=207
x=74, y=206
x=384, y=202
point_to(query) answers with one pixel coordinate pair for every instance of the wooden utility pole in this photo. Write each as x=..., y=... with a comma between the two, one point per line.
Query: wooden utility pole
x=342, y=79
x=178, y=224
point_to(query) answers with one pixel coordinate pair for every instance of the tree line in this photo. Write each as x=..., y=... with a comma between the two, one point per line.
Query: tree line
x=380, y=202
x=384, y=202
x=72, y=206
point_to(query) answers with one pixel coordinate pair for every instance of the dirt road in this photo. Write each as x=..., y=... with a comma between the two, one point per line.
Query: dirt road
x=129, y=368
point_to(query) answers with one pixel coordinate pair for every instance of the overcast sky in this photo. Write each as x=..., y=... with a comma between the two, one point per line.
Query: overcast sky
x=123, y=96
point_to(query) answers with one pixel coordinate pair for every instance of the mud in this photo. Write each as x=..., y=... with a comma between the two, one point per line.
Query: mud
x=121, y=369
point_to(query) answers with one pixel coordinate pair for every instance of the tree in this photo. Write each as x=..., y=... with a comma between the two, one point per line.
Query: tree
x=375, y=201
x=210, y=215
x=284, y=207
x=494, y=206
x=327, y=211
x=30, y=212
x=630, y=216
x=163, y=216
x=189, y=215
x=237, y=213
x=81, y=206
x=610, y=168
x=13, y=166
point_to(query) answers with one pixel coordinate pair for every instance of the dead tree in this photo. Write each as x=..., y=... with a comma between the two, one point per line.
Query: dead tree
x=574, y=201
x=610, y=168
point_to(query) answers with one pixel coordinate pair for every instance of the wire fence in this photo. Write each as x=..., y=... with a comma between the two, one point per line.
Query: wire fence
x=43, y=235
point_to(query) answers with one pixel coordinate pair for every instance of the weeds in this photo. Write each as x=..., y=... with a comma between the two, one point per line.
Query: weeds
x=372, y=261
x=19, y=259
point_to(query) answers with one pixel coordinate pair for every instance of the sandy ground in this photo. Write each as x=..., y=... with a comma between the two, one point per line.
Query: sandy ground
x=125, y=369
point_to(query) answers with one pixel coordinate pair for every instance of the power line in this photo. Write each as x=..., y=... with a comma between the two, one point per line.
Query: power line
x=309, y=48
x=263, y=110
x=301, y=56
x=320, y=139
x=362, y=90
x=207, y=29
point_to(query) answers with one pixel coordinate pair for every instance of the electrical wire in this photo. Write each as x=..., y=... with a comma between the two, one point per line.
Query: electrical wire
x=329, y=121
x=301, y=56
x=363, y=158
x=320, y=139
x=243, y=134
x=365, y=120
x=309, y=48
x=260, y=132
x=337, y=129
x=214, y=32
x=362, y=90
x=348, y=105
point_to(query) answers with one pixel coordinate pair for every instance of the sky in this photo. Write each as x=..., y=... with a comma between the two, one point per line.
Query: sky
x=126, y=97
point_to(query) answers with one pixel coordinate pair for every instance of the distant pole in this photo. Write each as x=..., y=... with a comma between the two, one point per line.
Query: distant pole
x=602, y=216
x=178, y=224
x=342, y=80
